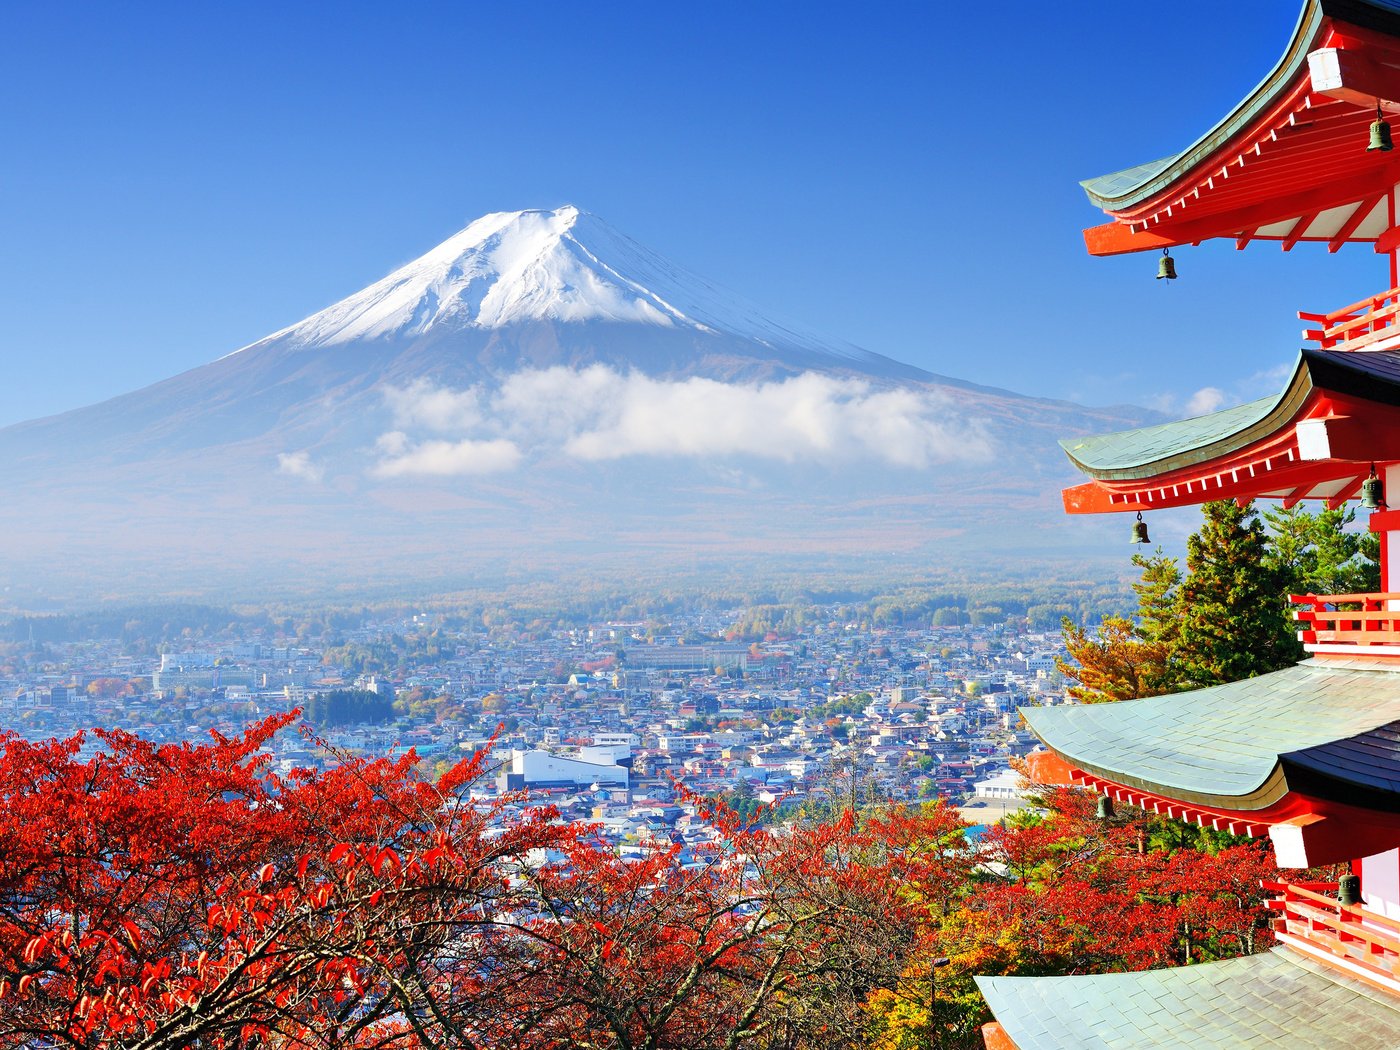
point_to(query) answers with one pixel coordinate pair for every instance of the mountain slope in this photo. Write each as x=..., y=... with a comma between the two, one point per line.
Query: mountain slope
x=536, y=368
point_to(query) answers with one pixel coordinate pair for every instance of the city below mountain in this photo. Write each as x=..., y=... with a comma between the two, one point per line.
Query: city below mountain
x=537, y=393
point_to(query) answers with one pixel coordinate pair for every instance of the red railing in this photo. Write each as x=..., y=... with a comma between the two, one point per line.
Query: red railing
x=1361, y=326
x=1308, y=912
x=1369, y=620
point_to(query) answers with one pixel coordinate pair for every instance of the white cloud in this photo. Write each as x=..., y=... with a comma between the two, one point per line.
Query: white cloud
x=1206, y=400
x=442, y=458
x=1268, y=381
x=596, y=413
x=299, y=465
x=424, y=404
x=1213, y=398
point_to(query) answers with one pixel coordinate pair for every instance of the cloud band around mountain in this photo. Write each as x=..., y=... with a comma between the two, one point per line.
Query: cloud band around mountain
x=597, y=414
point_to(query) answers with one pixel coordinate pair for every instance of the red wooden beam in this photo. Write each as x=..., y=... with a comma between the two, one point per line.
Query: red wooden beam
x=1291, y=500
x=1388, y=241
x=1116, y=238
x=1299, y=228
x=1355, y=219
x=1346, y=492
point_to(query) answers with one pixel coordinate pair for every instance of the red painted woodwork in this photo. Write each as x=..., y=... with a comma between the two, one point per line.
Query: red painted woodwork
x=1305, y=829
x=1300, y=156
x=1367, y=325
x=1309, y=912
x=994, y=1037
x=1372, y=629
x=1274, y=466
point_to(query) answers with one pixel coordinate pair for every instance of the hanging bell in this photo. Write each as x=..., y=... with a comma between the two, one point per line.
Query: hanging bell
x=1372, y=492
x=1105, y=808
x=1166, y=267
x=1140, y=530
x=1349, y=889
x=1380, y=134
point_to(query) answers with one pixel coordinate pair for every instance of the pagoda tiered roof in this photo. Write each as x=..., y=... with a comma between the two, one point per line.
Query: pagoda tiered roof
x=1329, y=730
x=1288, y=163
x=1314, y=440
x=1275, y=999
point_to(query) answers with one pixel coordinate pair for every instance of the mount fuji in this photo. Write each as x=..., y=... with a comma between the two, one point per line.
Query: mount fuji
x=538, y=391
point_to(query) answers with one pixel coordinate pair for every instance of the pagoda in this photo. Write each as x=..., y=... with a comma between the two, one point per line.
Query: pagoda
x=1309, y=756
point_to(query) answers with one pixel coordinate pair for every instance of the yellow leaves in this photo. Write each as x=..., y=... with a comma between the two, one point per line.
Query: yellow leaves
x=1117, y=665
x=899, y=1021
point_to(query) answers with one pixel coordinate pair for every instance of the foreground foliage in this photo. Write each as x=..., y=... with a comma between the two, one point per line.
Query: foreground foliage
x=179, y=896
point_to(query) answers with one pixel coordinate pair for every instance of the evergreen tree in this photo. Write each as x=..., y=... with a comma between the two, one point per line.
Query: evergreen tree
x=1319, y=554
x=1116, y=664
x=1129, y=659
x=1233, y=623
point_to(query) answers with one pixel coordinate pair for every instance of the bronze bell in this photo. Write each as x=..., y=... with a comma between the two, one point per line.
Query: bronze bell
x=1380, y=134
x=1140, y=530
x=1372, y=492
x=1166, y=267
x=1105, y=808
x=1349, y=889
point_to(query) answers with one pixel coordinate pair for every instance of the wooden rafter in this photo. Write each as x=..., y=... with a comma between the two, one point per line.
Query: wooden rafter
x=1355, y=219
x=1346, y=492
x=1299, y=228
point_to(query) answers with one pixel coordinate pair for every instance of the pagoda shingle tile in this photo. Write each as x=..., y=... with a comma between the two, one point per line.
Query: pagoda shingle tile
x=1244, y=742
x=1278, y=998
x=1101, y=453
x=1149, y=451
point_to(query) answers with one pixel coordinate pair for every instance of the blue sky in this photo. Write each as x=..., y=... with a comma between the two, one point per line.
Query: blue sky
x=179, y=180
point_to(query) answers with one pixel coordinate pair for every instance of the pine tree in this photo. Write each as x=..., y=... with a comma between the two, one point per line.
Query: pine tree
x=1130, y=659
x=1117, y=664
x=1319, y=554
x=1158, y=620
x=1232, y=619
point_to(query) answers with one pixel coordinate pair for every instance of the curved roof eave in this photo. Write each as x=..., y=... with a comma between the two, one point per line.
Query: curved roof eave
x=1121, y=190
x=1149, y=451
x=1234, y=746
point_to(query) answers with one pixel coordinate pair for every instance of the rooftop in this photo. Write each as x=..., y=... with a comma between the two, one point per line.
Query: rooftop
x=1275, y=999
x=1328, y=729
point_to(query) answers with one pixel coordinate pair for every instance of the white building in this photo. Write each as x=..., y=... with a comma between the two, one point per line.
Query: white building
x=543, y=769
x=1005, y=785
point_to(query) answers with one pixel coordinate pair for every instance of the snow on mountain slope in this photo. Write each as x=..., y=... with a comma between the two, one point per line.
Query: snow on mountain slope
x=536, y=388
x=565, y=266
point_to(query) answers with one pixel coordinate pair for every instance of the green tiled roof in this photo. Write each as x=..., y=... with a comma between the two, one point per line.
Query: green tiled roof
x=1104, y=454
x=1233, y=746
x=1123, y=189
x=1276, y=999
x=1135, y=455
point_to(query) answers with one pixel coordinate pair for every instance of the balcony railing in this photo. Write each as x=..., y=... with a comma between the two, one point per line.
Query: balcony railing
x=1359, y=624
x=1309, y=912
x=1368, y=325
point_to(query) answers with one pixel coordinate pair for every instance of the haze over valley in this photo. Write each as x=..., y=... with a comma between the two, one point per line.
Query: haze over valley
x=541, y=394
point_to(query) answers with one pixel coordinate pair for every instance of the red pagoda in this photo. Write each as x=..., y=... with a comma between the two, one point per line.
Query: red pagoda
x=1308, y=756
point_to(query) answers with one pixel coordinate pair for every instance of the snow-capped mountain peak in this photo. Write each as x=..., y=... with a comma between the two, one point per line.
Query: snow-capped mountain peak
x=563, y=265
